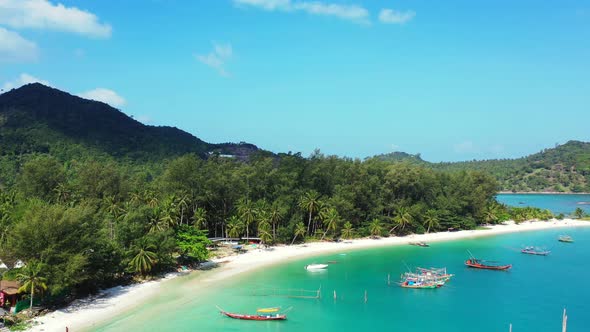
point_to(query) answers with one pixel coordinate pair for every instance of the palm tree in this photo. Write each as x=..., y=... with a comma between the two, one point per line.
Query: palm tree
x=299, y=231
x=579, y=213
x=234, y=227
x=347, y=230
x=330, y=219
x=32, y=278
x=200, y=218
x=310, y=202
x=114, y=210
x=155, y=222
x=490, y=215
x=145, y=258
x=431, y=220
x=275, y=217
x=182, y=202
x=264, y=233
x=402, y=219
x=247, y=213
x=375, y=227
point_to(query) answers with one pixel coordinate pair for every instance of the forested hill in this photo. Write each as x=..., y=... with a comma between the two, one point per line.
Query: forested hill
x=565, y=168
x=37, y=118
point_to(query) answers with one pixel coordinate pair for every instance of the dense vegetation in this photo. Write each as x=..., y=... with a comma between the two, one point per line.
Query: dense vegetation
x=81, y=215
x=565, y=168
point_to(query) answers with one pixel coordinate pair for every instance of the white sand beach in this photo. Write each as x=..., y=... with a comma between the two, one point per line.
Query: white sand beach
x=85, y=313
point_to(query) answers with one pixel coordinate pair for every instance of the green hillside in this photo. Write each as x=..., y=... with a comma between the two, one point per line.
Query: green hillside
x=565, y=168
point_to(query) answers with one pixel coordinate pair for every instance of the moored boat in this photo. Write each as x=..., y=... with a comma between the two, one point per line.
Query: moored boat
x=565, y=238
x=530, y=250
x=420, y=285
x=481, y=264
x=259, y=317
x=316, y=266
x=420, y=244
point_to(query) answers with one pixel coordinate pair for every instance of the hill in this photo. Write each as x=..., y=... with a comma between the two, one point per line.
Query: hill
x=38, y=119
x=565, y=168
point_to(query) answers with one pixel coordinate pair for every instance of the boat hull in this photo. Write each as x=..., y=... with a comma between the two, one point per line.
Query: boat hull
x=538, y=253
x=255, y=317
x=474, y=265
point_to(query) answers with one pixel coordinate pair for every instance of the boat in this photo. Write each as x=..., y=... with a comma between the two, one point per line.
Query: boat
x=565, y=238
x=530, y=250
x=419, y=285
x=481, y=264
x=438, y=273
x=316, y=266
x=419, y=244
x=265, y=316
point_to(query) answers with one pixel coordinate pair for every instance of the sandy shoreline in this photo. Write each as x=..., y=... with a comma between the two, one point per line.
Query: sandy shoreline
x=85, y=313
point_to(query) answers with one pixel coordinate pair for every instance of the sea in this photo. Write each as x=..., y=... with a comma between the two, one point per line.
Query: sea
x=359, y=291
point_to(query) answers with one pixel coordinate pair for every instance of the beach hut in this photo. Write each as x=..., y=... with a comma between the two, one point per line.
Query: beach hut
x=9, y=292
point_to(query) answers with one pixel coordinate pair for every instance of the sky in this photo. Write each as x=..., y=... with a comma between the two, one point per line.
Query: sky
x=452, y=80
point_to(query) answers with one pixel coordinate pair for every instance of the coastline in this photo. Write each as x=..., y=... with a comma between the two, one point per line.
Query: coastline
x=540, y=193
x=89, y=312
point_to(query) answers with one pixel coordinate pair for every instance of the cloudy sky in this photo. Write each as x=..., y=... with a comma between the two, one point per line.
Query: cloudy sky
x=453, y=80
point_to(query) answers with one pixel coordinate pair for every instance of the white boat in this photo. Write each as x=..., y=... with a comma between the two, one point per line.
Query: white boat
x=316, y=266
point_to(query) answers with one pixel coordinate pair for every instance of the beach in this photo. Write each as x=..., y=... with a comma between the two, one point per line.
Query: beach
x=86, y=313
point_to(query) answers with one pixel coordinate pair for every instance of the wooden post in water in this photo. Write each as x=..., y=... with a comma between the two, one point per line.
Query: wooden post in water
x=564, y=322
x=334, y=294
x=388, y=279
x=510, y=327
x=366, y=298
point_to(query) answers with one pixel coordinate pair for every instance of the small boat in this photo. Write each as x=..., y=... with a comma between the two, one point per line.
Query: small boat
x=316, y=266
x=565, y=238
x=419, y=244
x=420, y=285
x=481, y=264
x=535, y=251
x=254, y=317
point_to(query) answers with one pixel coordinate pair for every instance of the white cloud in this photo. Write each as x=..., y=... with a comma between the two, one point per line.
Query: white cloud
x=23, y=79
x=15, y=48
x=105, y=95
x=42, y=14
x=465, y=147
x=390, y=16
x=217, y=58
x=353, y=13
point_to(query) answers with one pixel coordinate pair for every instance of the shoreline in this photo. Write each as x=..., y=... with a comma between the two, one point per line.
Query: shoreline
x=89, y=312
x=539, y=193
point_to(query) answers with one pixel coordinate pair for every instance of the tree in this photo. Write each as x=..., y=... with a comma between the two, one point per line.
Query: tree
x=192, y=242
x=234, y=227
x=330, y=219
x=145, y=257
x=402, y=219
x=32, y=278
x=41, y=176
x=247, y=213
x=579, y=213
x=431, y=220
x=299, y=231
x=310, y=202
x=375, y=227
x=347, y=230
x=200, y=218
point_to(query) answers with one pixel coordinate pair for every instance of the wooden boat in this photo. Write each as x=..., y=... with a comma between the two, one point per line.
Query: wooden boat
x=565, y=238
x=480, y=264
x=420, y=285
x=312, y=267
x=535, y=251
x=419, y=244
x=253, y=317
x=438, y=273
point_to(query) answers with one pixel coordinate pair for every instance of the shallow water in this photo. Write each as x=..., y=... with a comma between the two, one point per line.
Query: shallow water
x=531, y=295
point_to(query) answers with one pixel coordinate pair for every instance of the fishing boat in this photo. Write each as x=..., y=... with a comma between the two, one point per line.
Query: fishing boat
x=481, y=264
x=419, y=285
x=437, y=273
x=312, y=267
x=565, y=238
x=419, y=244
x=253, y=317
x=530, y=250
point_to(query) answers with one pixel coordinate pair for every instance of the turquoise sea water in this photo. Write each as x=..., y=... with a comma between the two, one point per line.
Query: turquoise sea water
x=565, y=204
x=531, y=295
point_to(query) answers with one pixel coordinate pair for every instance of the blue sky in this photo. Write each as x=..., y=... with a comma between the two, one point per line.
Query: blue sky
x=452, y=80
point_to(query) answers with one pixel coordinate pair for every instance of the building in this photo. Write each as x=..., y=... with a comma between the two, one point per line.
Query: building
x=9, y=292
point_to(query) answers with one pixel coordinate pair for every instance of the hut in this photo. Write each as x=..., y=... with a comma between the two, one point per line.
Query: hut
x=9, y=292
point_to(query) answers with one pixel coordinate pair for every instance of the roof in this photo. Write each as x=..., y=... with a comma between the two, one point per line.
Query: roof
x=9, y=287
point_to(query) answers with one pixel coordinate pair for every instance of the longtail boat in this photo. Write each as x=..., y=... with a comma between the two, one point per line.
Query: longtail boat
x=253, y=317
x=565, y=238
x=481, y=264
x=535, y=251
